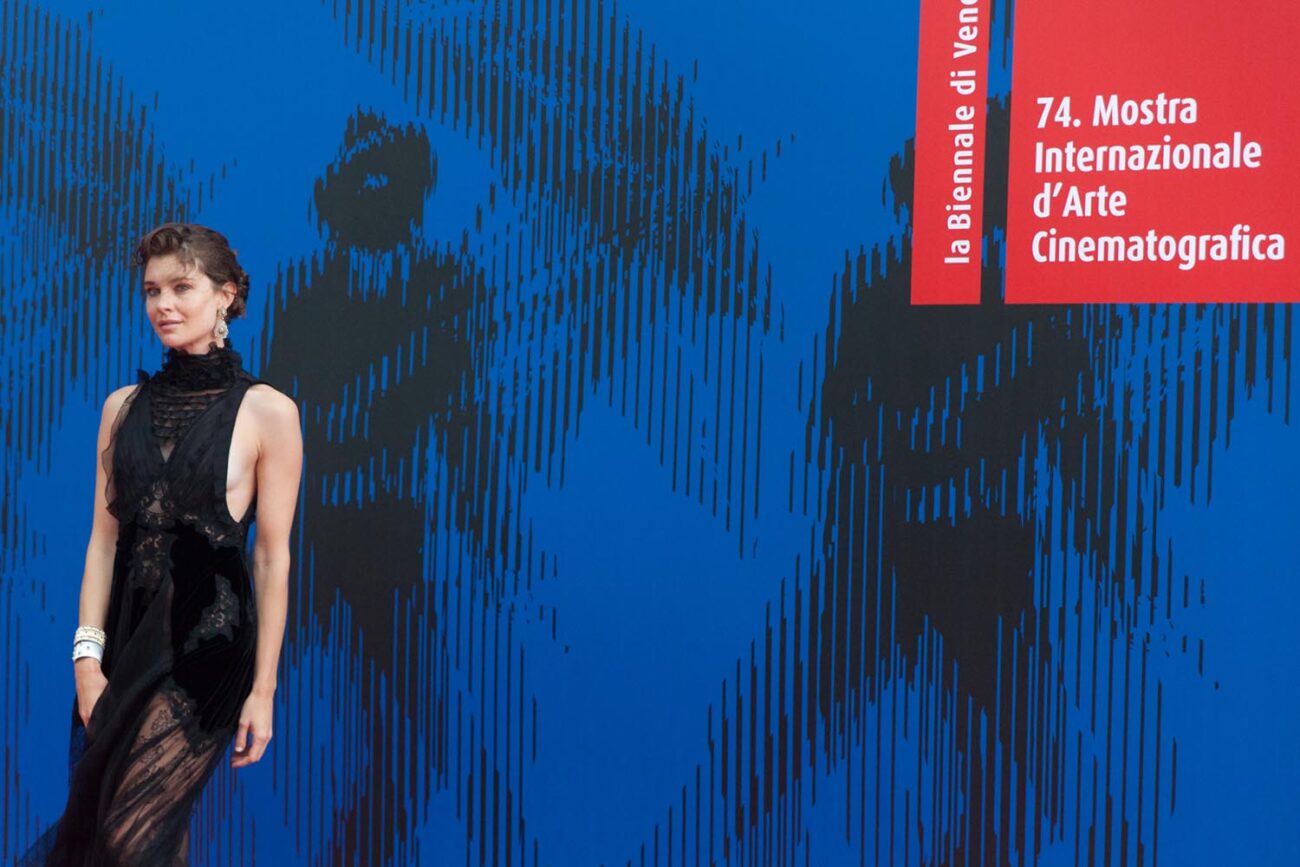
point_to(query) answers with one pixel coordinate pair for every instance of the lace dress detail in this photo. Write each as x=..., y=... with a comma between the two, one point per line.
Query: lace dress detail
x=149, y=558
x=189, y=392
x=219, y=618
x=181, y=623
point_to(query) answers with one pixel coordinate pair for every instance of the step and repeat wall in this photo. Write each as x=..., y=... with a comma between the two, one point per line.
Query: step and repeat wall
x=663, y=502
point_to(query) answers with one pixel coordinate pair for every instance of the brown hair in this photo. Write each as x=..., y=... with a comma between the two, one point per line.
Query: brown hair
x=198, y=245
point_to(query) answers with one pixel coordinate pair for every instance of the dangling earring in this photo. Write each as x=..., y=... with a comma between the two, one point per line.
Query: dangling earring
x=221, y=330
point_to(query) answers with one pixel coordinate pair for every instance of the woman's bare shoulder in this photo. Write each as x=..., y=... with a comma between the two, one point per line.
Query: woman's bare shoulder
x=268, y=397
x=275, y=411
x=117, y=397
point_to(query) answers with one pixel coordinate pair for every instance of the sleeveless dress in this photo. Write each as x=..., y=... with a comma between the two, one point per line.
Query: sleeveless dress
x=181, y=622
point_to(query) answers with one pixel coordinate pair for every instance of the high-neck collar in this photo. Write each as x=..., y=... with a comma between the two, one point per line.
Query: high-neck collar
x=219, y=367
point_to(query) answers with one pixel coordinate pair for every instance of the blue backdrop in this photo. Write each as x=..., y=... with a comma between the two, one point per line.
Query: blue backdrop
x=643, y=520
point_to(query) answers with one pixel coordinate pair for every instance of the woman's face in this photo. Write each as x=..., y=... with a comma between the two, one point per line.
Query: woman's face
x=182, y=303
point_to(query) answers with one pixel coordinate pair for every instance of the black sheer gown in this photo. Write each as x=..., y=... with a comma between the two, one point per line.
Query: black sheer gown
x=181, y=624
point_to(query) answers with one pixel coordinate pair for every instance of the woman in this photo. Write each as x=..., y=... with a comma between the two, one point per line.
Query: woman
x=178, y=645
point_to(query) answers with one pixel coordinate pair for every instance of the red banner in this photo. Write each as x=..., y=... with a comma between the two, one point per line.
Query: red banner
x=948, y=194
x=1153, y=154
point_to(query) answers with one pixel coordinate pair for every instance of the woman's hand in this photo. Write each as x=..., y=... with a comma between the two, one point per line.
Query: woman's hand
x=254, y=729
x=91, y=683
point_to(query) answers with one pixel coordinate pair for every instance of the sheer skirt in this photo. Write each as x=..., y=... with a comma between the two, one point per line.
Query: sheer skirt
x=170, y=710
x=166, y=767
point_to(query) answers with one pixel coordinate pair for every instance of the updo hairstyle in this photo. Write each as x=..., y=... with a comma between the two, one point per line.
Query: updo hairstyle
x=194, y=244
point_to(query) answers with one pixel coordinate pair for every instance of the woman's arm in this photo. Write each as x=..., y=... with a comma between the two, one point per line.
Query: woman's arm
x=279, y=467
x=97, y=578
